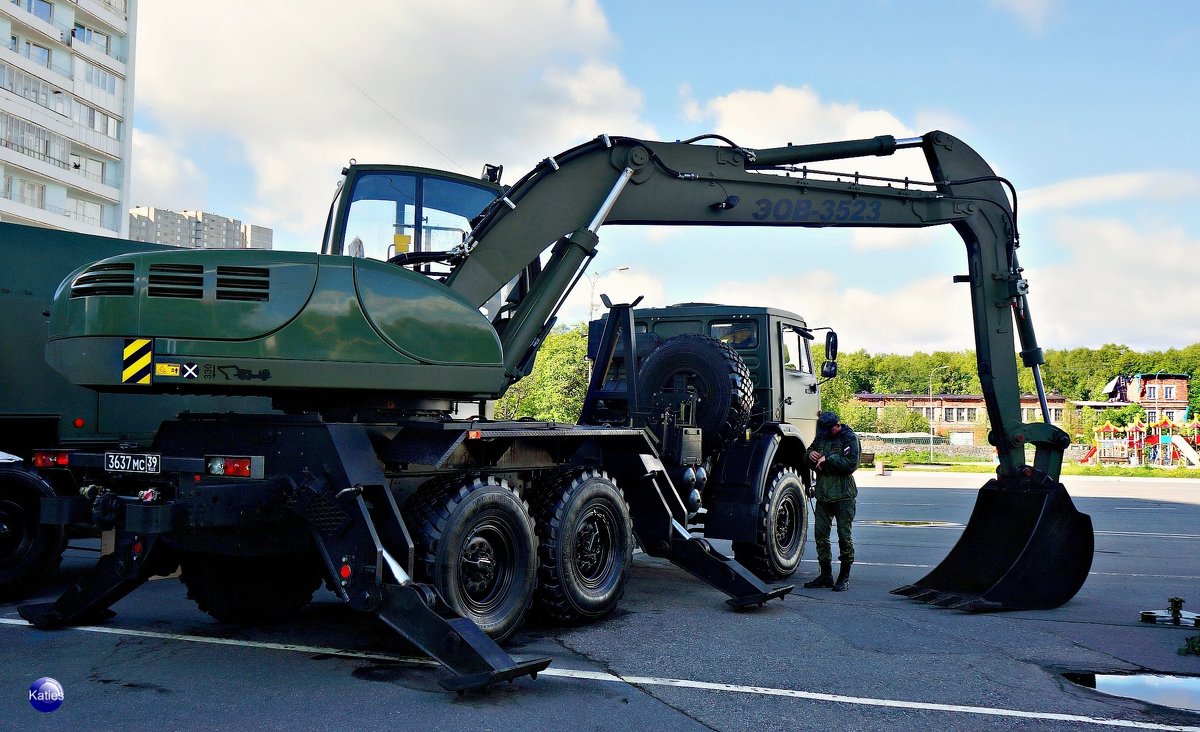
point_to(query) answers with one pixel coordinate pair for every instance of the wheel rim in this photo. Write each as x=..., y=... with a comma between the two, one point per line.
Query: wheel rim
x=595, y=545
x=486, y=565
x=787, y=523
x=16, y=534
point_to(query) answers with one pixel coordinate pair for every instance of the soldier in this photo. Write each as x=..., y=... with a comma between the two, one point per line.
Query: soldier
x=834, y=456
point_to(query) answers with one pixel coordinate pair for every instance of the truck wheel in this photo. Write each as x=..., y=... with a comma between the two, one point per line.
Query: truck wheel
x=250, y=590
x=715, y=372
x=586, y=547
x=476, y=546
x=782, y=528
x=29, y=550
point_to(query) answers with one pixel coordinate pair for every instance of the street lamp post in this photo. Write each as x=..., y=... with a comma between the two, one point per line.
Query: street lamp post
x=931, y=412
x=594, y=278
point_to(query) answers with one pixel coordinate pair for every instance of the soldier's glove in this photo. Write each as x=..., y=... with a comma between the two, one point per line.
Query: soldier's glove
x=810, y=491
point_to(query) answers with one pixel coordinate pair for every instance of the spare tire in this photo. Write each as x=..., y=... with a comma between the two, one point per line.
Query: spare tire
x=714, y=371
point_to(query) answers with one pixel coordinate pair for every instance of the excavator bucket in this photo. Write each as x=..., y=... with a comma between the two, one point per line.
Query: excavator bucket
x=1026, y=547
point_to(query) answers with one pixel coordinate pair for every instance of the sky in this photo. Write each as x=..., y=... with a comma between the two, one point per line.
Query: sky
x=250, y=109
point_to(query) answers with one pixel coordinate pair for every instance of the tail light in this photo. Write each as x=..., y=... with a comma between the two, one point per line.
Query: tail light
x=51, y=459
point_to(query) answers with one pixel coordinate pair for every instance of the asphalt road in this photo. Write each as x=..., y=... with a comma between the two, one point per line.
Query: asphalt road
x=674, y=657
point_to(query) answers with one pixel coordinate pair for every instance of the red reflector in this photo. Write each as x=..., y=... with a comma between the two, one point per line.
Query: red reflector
x=49, y=459
x=345, y=571
x=78, y=423
x=237, y=467
x=474, y=434
x=137, y=547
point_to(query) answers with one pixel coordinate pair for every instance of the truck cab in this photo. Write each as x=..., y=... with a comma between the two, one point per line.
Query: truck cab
x=772, y=343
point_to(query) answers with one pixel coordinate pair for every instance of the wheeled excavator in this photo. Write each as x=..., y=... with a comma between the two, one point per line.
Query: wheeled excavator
x=432, y=292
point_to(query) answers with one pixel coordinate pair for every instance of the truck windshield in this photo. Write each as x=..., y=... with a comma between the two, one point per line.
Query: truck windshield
x=392, y=213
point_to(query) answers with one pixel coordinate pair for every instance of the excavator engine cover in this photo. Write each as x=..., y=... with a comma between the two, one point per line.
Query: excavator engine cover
x=230, y=322
x=1001, y=560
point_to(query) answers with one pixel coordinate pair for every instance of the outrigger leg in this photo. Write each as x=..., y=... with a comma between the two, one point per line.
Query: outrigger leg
x=114, y=576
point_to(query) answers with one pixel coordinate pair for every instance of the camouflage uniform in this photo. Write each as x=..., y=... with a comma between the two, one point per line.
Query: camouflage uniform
x=836, y=492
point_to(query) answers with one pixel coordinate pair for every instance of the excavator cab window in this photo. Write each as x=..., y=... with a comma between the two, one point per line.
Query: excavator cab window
x=394, y=212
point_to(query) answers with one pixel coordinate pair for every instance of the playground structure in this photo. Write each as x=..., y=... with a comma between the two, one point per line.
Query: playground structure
x=1164, y=443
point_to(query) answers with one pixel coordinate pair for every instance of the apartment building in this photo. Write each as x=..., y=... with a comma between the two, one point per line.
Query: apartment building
x=66, y=94
x=196, y=229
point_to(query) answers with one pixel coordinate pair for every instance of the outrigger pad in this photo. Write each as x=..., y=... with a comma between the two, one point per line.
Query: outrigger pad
x=472, y=658
x=1026, y=547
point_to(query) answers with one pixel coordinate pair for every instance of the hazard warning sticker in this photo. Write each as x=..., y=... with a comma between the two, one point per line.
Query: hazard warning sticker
x=136, y=362
x=166, y=369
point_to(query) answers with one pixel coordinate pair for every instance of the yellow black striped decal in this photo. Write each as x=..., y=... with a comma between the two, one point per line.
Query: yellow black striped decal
x=136, y=368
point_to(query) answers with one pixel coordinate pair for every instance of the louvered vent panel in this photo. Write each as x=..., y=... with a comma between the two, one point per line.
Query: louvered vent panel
x=176, y=280
x=251, y=284
x=112, y=278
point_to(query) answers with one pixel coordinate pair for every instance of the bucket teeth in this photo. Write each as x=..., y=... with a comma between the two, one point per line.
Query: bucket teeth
x=944, y=600
x=906, y=590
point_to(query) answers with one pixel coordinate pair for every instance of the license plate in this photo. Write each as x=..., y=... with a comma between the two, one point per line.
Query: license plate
x=132, y=462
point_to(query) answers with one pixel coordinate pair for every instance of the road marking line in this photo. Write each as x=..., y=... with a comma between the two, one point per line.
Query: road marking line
x=1151, y=534
x=1105, y=574
x=650, y=680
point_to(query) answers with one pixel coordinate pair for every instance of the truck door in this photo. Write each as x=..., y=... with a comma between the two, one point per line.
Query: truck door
x=798, y=383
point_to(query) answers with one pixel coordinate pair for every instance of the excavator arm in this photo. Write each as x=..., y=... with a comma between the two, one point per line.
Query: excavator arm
x=561, y=204
x=1025, y=545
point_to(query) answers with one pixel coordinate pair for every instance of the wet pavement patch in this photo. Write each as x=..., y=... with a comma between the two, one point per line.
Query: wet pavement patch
x=1180, y=692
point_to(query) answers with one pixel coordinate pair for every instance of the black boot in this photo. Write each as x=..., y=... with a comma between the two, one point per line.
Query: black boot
x=825, y=579
x=843, y=580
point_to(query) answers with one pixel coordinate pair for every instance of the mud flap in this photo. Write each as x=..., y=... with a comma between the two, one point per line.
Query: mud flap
x=473, y=659
x=1026, y=547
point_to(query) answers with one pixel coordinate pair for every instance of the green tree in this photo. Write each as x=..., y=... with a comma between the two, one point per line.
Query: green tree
x=860, y=416
x=899, y=418
x=556, y=388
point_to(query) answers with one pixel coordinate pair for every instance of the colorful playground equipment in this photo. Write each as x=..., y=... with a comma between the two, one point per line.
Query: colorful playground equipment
x=1163, y=443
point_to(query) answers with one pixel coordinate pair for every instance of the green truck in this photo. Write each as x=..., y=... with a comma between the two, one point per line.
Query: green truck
x=433, y=291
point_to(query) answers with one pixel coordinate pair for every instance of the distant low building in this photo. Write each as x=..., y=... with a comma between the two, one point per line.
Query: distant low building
x=195, y=229
x=1160, y=394
x=963, y=417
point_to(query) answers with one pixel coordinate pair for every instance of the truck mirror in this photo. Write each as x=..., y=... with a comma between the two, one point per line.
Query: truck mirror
x=829, y=369
x=830, y=347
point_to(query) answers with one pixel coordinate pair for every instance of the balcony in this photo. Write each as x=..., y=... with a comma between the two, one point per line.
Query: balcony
x=111, y=12
x=42, y=214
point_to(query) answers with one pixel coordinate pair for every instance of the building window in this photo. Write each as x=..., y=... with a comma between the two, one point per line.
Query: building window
x=1056, y=415
x=101, y=79
x=1169, y=414
x=32, y=194
x=948, y=414
x=1151, y=415
x=972, y=414
x=40, y=55
x=1168, y=392
x=1151, y=392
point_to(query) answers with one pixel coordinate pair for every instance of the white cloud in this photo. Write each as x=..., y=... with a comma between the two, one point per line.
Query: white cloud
x=923, y=314
x=620, y=287
x=449, y=85
x=1120, y=284
x=1033, y=14
x=1162, y=186
x=162, y=177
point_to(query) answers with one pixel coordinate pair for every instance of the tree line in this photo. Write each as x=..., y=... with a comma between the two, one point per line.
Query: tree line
x=556, y=387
